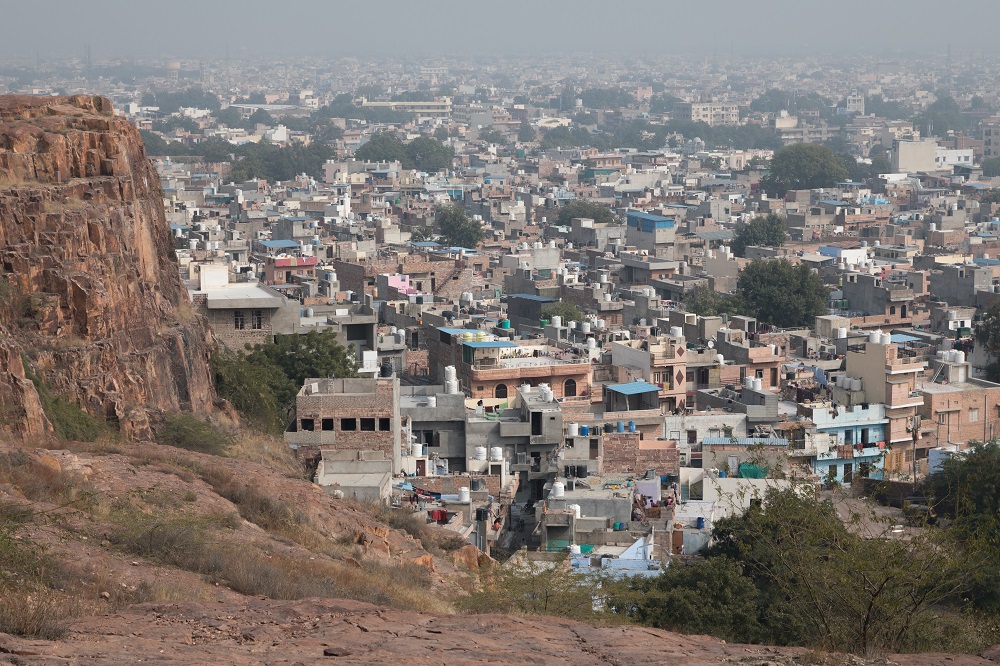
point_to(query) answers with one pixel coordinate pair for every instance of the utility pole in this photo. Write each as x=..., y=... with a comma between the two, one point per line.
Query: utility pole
x=915, y=433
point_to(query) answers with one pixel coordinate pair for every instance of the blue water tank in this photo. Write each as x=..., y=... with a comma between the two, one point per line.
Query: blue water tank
x=584, y=430
x=701, y=523
x=621, y=426
x=631, y=426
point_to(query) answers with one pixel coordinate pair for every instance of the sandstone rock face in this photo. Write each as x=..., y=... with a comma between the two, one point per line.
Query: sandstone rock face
x=92, y=298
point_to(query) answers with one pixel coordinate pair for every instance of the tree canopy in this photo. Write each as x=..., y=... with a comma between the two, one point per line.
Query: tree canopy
x=991, y=167
x=804, y=166
x=564, y=309
x=988, y=335
x=262, y=382
x=580, y=208
x=779, y=292
x=457, y=229
x=422, y=153
x=767, y=230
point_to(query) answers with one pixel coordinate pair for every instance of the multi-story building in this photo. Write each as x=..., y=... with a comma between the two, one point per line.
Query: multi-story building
x=658, y=360
x=710, y=113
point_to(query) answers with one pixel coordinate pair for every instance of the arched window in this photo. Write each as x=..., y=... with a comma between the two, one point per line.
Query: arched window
x=569, y=388
x=892, y=309
x=500, y=391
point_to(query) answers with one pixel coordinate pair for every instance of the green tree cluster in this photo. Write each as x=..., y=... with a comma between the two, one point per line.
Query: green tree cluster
x=991, y=167
x=767, y=230
x=599, y=213
x=261, y=382
x=457, y=229
x=788, y=571
x=171, y=102
x=707, y=302
x=267, y=160
x=233, y=117
x=988, y=335
x=804, y=166
x=422, y=153
x=779, y=292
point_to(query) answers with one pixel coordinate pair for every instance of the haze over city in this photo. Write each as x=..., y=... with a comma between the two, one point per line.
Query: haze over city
x=258, y=29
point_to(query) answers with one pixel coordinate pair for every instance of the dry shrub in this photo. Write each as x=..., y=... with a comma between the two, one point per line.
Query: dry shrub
x=268, y=450
x=37, y=612
x=40, y=482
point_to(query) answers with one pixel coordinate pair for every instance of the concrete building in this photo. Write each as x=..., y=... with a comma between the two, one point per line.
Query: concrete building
x=710, y=113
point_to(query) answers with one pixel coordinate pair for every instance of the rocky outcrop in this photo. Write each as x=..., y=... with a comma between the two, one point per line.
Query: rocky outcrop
x=92, y=302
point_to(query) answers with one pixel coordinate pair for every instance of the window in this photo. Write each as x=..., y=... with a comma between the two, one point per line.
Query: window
x=238, y=321
x=327, y=424
x=256, y=319
x=348, y=424
x=500, y=391
x=384, y=424
x=942, y=417
x=307, y=425
x=569, y=388
x=973, y=414
x=368, y=425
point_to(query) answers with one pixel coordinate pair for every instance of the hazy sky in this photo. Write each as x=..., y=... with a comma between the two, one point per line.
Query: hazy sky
x=205, y=28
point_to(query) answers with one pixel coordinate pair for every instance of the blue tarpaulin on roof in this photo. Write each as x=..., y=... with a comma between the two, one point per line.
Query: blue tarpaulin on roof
x=632, y=388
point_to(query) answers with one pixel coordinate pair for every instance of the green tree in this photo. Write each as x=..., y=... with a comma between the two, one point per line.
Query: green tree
x=824, y=585
x=599, y=213
x=988, y=335
x=262, y=382
x=804, y=166
x=707, y=302
x=382, y=147
x=493, y=135
x=767, y=230
x=457, y=229
x=568, y=311
x=991, y=167
x=525, y=132
x=781, y=293
x=426, y=154
x=708, y=597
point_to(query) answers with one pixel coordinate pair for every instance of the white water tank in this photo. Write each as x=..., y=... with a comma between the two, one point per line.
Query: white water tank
x=585, y=327
x=720, y=359
x=591, y=343
x=463, y=495
x=572, y=429
x=758, y=384
x=676, y=332
x=933, y=226
x=875, y=337
x=558, y=490
x=192, y=245
x=496, y=453
x=575, y=508
x=417, y=450
x=855, y=384
x=941, y=355
x=601, y=323
x=886, y=339
x=842, y=332
x=556, y=321
x=451, y=387
x=607, y=297
x=450, y=374
x=748, y=382
x=480, y=453
x=574, y=549
x=432, y=401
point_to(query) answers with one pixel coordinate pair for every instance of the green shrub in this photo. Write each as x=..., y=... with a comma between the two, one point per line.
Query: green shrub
x=189, y=432
x=69, y=421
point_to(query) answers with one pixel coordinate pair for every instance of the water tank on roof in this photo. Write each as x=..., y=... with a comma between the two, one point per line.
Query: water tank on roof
x=591, y=343
x=585, y=327
x=676, y=332
x=576, y=509
x=855, y=384
x=556, y=321
x=720, y=359
x=479, y=453
x=496, y=453
x=450, y=373
x=464, y=497
x=572, y=429
x=558, y=490
x=886, y=339
x=758, y=384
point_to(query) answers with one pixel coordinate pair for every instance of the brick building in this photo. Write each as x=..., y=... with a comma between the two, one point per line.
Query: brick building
x=347, y=415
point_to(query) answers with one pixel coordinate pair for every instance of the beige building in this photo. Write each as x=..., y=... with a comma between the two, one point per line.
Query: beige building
x=710, y=113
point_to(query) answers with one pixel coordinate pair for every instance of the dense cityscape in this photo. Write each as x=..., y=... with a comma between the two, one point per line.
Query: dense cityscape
x=708, y=343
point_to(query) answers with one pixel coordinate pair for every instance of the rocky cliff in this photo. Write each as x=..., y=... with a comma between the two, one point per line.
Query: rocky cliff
x=90, y=296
